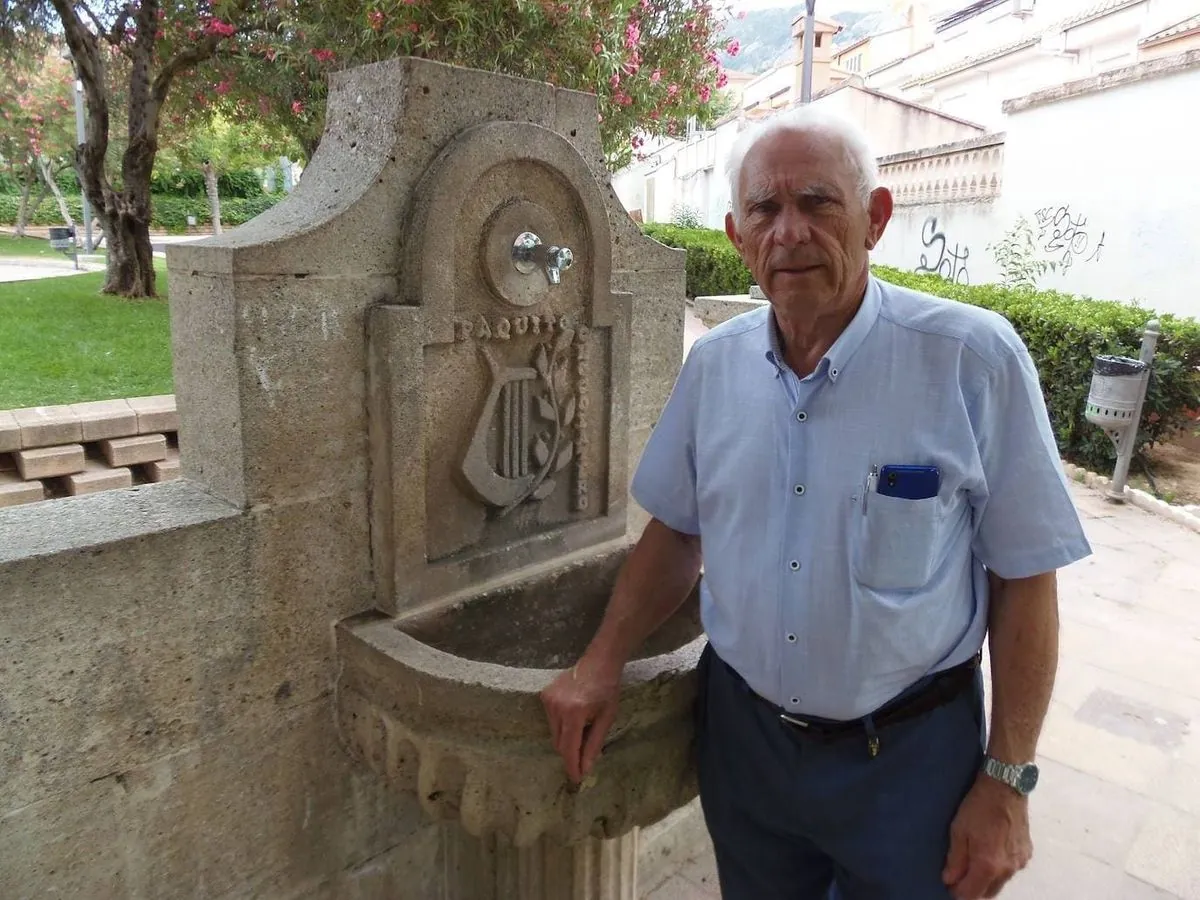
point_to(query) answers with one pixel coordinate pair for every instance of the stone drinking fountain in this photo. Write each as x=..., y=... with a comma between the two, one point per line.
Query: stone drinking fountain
x=454, y=319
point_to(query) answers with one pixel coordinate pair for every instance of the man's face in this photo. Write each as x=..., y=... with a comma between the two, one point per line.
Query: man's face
x=804, y=231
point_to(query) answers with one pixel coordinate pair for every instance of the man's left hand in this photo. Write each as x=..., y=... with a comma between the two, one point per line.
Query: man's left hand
x=989, y=840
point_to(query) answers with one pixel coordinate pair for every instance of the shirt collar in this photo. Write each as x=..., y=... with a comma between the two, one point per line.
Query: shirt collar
x=837, y=357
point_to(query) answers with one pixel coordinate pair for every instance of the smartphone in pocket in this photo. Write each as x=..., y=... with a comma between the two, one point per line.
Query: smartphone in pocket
x=909, y=482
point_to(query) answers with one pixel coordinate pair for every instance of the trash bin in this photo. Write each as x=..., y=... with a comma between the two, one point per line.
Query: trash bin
x=62, y=237
x=1115, y=392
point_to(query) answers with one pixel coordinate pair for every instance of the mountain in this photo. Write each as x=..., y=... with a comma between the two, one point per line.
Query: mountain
x=765, y=35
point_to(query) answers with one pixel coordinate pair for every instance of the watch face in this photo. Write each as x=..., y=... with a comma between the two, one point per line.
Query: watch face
x=1028, y=779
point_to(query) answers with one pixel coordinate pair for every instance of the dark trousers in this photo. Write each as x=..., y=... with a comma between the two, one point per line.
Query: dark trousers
x=794, y=817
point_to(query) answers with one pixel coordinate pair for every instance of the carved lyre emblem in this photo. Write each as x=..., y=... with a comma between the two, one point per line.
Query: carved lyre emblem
x=531, y=409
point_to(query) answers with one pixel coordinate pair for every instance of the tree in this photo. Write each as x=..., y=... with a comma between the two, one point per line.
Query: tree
x=145, y=48
x=38, y=122
x=213, y=144
x=652, y=63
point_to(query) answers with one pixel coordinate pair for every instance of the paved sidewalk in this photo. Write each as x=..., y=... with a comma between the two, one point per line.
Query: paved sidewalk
x=1117, y=813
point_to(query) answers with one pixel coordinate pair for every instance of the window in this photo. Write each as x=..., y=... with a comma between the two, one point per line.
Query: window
x=817, y=38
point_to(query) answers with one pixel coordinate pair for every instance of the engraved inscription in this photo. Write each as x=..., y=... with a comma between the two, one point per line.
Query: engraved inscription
x=532, y=411
x=582, y=357
x=483, y=329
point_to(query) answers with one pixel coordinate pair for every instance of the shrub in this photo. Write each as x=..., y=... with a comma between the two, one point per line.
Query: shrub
x=713, y=266
x=1064, y=334
x=169, y=213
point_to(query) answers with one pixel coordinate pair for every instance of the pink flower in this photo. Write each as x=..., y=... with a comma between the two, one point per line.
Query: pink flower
x=597, y=48
x=722, y=79
x=711, y=58
x=742, y=14
x=375, y=17
x=705, y=93
x=656, y=76
x=732, y=48
x=216, y=26
x=637, y=141
x=223, y=87
x=297, y=107
x=322, y=55
x=623, y=98
x=672, y=90
x=615, y=80
x=633, y=34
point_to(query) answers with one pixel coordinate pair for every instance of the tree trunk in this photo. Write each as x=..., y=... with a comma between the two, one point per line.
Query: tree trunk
x=23, y=208
x=214, y=195
x=130, y=256
x=48, y=178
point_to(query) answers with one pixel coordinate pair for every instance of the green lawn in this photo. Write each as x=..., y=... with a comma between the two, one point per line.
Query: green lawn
x=62, y=341
x=27, y=246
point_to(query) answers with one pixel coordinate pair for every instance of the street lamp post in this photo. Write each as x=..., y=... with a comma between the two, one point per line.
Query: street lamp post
x=80, y=139
x=807, y=64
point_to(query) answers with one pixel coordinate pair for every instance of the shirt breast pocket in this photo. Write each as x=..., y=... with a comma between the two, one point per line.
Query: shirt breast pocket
x=897, y=542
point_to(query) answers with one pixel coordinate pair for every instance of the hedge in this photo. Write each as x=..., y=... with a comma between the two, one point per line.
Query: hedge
x=713, y=266
x=169, y=213
x=1064, y=333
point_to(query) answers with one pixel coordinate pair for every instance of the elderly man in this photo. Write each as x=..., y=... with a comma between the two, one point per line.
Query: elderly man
x=869, y=477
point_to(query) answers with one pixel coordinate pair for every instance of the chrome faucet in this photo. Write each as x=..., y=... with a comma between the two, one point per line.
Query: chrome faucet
x=530, y=254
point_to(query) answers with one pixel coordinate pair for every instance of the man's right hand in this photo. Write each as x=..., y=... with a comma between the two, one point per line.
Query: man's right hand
x=581, y=704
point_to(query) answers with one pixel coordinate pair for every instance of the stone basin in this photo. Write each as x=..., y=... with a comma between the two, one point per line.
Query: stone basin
x=444, y=701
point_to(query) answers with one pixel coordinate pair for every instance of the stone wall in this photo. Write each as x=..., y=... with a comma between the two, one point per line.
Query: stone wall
x=167, y=718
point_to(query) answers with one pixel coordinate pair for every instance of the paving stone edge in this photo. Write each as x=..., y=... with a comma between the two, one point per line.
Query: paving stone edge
x=1134, y=496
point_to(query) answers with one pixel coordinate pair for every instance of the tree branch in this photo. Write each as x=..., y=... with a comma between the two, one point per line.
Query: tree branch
x=118, y=30
x=184, y=59
x=100, y=29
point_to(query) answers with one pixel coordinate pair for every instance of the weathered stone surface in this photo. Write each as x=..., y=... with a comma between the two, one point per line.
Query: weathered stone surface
x=712, y=311
x=102, y=419
x=42, y=426
x=15, y=490
x=157, y=413
x=164, y=469
x=50, y=462
x=98, y=477
x=130, y=451
x=10, y=432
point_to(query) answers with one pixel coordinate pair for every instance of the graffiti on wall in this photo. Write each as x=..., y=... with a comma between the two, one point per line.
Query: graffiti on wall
x=951, y=259
x=1065, y=236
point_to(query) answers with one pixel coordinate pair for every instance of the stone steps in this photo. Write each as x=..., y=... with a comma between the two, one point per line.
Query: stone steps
x=47, y=452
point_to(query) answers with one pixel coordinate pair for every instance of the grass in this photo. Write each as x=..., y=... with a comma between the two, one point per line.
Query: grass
x=11, y=246
x=62, y=341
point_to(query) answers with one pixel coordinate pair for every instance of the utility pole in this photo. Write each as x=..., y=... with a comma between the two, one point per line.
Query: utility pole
x=809, y=42
x=80, y=139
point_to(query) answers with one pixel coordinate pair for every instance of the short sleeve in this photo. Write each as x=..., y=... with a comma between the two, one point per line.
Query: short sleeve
x=664, y=484
x=1025, y=519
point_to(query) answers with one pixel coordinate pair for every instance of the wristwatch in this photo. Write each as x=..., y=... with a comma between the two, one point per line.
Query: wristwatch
x=1021, y=777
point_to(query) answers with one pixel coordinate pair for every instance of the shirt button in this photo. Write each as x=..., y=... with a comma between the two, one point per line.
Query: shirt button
x=798, y=490
x=794, y=565
x=791, y=639
x=801, y=416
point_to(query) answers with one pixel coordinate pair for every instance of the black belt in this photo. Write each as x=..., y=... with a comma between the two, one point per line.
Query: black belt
x=941, y=688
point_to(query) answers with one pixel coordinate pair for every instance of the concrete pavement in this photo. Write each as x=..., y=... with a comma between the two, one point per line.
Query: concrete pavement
x=1117, y=813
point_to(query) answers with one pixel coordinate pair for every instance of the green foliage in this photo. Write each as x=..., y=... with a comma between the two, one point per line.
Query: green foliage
x=1016, y=255
x=651, y=63
x=713, y=265
x=1064, y=334
x=62, y=341
x=168, y=212
x=242, y=183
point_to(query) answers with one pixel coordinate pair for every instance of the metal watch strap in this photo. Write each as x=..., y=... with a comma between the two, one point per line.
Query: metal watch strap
x=1008, y=773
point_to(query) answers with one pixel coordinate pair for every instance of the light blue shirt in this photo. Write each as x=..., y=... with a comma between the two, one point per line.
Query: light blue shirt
x=827, y=598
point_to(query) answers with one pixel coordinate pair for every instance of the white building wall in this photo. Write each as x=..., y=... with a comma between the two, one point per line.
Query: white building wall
x=1117, y=170
x=1107, y=180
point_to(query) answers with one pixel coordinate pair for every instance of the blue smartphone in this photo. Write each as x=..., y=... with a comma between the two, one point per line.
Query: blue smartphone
x=909, y=482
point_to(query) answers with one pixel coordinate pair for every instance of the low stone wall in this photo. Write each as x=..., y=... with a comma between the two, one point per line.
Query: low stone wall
x=48, y=452
x=712, y=311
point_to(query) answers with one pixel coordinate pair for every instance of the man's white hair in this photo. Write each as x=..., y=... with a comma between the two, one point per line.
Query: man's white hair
x=808, y=120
